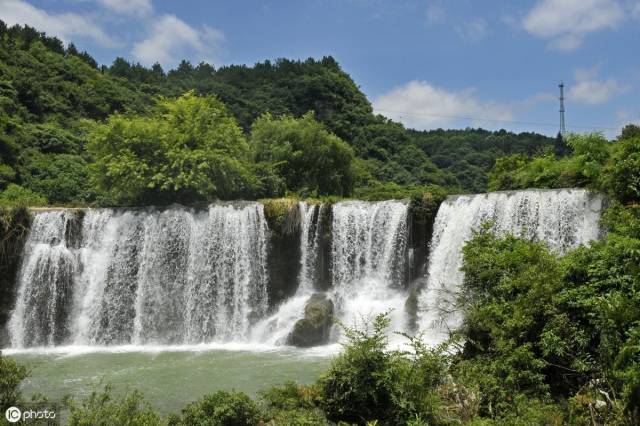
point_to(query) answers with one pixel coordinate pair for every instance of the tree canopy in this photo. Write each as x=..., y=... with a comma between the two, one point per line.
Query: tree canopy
x=311, y=160
x=49, y=91
x=186, y=149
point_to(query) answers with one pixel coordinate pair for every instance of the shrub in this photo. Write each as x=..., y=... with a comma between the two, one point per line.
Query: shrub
x=103, y=409
x=288, y=396
x=541, y=328
x=425, y=204
x=584, y=168
x=291, y=405
x=220, y=409
x=358, y=386
x=369, y=382
x=298, y=417
x=11, y=375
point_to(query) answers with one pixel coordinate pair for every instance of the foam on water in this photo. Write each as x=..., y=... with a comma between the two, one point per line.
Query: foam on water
x=368, y=258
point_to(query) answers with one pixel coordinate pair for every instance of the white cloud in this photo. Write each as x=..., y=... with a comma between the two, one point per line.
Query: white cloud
x=474, y=30
x=566, y=22
x=420, y=105
x=171, y=39
x=635, y=10
x=593, y=92
x=62, y=25
x=435, y=12
x=128, y=7
x=589, y=90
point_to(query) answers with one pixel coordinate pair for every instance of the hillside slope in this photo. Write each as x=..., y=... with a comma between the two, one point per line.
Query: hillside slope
x=48, y=91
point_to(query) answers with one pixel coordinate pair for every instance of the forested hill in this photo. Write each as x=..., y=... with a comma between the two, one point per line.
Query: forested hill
x=469, y=154
x=51, y=93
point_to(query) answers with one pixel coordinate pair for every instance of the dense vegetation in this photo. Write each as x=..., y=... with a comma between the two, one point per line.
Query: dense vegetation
x=187, y=149
x=595, y=163
x=60, y=115
x=546, y=339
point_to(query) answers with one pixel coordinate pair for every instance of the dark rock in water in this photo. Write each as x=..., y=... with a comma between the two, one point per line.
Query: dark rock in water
x=73, y=229
x=313, y=329
x=411, y=308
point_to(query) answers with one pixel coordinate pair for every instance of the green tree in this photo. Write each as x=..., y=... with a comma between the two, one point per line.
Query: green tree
x=622, y=174
x=538, y=327
x=311, y=160
x=187, y=149
x=630, y=131
x=60, y=178
x=583, y=168
x=16, y=195
x=560, y=147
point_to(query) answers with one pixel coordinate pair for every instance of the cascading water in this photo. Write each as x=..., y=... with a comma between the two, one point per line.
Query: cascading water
x=48, y=270
x=181, y=276
x=275, y=329
x=368, y=256
x=142, y=277
x=564, y=219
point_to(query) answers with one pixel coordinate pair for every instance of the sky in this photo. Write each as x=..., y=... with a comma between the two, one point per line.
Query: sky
x=427, y=63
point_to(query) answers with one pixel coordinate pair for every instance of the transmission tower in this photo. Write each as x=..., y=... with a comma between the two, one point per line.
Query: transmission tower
x=562, y=128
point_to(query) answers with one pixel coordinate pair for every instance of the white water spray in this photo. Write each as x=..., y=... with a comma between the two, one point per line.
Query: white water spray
x=179, y=278
x=368, y=258
x=564, y=219
x=275, y=329
x=143, y=277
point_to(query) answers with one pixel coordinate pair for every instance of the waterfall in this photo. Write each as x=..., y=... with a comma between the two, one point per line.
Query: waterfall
x=46, y=279
x=142, y=277
x=564, y=219
x=178, y=276
x=309, y=239
x=368, y=260
x=275, y=329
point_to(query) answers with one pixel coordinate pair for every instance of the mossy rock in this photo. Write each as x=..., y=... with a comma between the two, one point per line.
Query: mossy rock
x=314, y=328
x=424, y=206
x=282, y=215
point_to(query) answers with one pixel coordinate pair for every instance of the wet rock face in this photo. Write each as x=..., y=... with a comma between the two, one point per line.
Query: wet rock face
x=313, y=329
x=283, y=261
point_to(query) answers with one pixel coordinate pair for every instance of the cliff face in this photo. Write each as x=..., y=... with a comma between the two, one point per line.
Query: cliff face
x=14, y=227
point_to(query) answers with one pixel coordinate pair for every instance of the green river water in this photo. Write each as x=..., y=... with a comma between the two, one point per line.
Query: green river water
x=169, y=379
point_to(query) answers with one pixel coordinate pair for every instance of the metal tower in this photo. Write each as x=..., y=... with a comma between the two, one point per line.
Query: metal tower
x=562, y=128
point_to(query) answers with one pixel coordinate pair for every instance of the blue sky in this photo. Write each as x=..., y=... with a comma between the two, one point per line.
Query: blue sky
x=427, y=63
